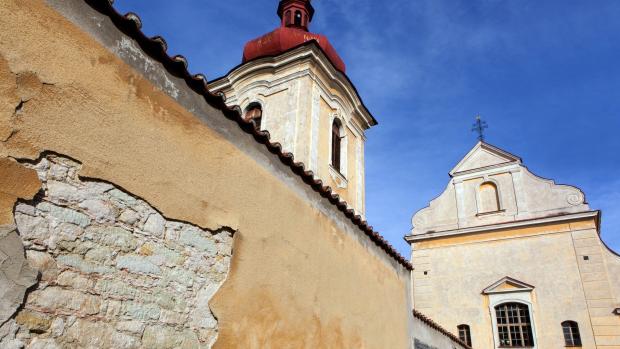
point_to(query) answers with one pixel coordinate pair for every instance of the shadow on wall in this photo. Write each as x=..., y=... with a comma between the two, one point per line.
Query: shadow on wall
x=109, y=265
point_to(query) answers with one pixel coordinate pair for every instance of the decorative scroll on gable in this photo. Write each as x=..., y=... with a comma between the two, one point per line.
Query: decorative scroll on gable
x=490, y=186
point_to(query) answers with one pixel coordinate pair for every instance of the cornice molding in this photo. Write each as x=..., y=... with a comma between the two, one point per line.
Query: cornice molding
x=309, y=52
x=502, y=226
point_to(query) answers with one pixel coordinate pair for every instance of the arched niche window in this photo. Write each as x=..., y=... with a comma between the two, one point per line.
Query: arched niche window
x=514, y=326
x=337, y=135
x=298, y=18
x=287, y=18
x=465, y=334
x=254, y=113
x=489, y=197
x=572, y=338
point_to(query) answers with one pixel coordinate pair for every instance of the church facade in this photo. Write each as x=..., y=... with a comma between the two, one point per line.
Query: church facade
x=510, y=259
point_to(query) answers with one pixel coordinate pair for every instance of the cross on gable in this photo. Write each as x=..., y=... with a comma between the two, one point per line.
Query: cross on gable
x=479, y=127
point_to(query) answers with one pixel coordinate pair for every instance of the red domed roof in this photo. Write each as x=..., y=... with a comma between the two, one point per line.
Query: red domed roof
x=286, y=38
x=296, y=16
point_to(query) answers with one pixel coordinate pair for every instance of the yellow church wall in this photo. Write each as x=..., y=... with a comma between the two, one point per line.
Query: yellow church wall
x=301, y=276
x=458, y=270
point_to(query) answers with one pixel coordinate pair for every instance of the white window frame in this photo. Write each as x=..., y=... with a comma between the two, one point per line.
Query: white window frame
x=523, y=297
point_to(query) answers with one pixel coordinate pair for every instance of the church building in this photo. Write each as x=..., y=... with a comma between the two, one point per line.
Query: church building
x=512, y=260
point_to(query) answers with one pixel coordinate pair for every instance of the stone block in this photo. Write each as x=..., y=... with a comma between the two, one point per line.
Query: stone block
x=31, y=228
x=134, y=327
x=67, y=300
x=114, y=237
x=172, y=318
x=99, y=210
x=140, y=311
x=155, y=225
x=43, y=263
x=33, y=321
x=76, y=262
x=39, y=343
x=74, y=280
x=195, y=238
x=68, y=232
x=100, y=254
x=116, y=289
x=57, y=327
x=137, y=264
x=65, y=215
x=123, y=197
x=161, y=255
x=99, y=334
x=162, y=337
x=60, y=192
x=129, y=217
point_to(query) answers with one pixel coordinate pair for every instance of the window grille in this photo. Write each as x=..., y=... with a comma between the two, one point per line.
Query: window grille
x=514, y=326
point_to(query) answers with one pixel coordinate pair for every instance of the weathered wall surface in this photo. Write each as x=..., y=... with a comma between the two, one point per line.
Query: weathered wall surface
x=301, y=274
x=458, y=270
x=113, y=267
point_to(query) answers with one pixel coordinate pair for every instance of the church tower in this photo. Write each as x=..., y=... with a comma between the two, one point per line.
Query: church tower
x=293, y=83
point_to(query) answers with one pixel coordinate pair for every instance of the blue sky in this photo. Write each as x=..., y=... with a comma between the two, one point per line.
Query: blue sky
x=544, y=74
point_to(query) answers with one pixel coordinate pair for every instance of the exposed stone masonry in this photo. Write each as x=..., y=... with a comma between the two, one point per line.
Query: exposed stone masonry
x=114, y=273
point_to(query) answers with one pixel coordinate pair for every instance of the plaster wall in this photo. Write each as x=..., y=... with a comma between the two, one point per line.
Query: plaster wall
x=459, y=270
x=429, y=338
x=301, y=276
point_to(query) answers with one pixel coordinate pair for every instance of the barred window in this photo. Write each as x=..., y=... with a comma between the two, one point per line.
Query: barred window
x=465, y=334
x=571, y=334
x=514, y=326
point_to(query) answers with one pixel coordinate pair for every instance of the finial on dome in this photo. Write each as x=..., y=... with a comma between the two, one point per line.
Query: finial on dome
x=296, y=13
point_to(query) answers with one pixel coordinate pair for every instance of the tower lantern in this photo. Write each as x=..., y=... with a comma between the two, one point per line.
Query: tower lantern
x=296, y=13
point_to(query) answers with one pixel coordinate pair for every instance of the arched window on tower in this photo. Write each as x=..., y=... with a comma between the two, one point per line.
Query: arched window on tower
x=254, y=113
x=287, y=18
x=464, y=334
x=489, y=198
x=514, y=327
x=298, y=18
x=572, y=338
x=336, y=144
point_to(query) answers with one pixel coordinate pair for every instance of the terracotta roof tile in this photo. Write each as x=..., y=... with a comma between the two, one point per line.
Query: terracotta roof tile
x=156, y=47
x=437, y=327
